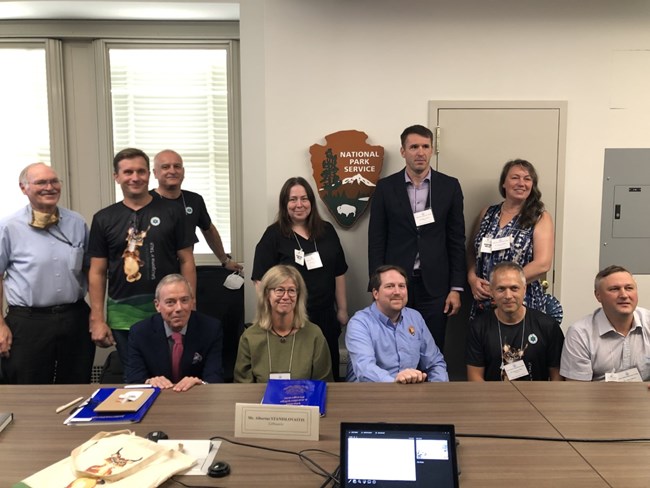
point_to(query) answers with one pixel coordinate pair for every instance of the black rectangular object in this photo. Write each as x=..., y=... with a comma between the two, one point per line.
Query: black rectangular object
x=398, y=455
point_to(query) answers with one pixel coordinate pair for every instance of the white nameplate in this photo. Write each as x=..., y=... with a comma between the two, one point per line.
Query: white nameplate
x=486, y=245
x=312, y=261
x=424, y=217
x=516, y=370
x=501, y=243
x=629, y=375
x=277, y=421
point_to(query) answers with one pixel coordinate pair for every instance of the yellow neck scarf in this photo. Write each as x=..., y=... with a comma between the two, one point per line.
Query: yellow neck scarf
x=42, y=220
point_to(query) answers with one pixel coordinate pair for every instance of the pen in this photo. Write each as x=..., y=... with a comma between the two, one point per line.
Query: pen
x=80, y=407
x=69, y=404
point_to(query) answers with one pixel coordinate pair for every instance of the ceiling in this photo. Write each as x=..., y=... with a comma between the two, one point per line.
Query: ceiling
x=119, y=10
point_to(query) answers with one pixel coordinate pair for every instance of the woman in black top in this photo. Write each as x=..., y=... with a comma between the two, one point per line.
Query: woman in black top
x=300, y=237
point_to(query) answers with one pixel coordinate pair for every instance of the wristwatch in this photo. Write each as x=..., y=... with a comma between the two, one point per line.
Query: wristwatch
x=228, y=259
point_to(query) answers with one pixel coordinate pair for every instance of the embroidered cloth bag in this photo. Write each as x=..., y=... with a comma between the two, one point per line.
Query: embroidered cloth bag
x=112, y=459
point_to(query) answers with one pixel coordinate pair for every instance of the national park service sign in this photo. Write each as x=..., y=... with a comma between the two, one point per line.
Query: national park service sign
x=346, y=170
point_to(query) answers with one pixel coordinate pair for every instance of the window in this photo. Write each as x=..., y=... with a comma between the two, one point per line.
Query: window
x=24, y=125
x=73, y=93
x=177, y=98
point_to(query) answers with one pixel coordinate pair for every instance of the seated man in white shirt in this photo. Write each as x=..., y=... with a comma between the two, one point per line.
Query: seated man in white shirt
x=613, y=343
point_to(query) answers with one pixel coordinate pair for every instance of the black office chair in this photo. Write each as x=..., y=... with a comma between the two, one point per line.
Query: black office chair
x=214, y=299
x=112, y=371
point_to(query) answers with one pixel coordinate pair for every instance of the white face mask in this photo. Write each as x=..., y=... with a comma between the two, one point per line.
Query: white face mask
x=234, y=281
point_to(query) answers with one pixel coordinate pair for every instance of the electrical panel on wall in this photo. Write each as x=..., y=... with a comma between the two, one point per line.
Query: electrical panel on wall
x=625, y=218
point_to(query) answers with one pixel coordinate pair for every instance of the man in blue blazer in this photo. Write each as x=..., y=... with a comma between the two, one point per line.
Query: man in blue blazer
x=151, y=342
x=417, y=223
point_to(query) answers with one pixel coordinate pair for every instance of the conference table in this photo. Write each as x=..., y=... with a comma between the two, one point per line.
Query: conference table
x=38, y=438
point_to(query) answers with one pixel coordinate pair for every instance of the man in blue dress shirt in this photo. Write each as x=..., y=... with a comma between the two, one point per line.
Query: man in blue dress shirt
x=44, y=337
x=389, y=342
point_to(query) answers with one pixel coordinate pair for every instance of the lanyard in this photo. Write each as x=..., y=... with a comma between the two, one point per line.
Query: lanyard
x=300, y=247
x=61, y=237
x=523, y=334
x=186, y=209
x=415, y=190
x=268, y=347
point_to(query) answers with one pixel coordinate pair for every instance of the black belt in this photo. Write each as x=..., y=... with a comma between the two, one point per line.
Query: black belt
x=48, y=310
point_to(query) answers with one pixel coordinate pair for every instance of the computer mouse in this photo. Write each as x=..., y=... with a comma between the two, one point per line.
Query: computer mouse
x=157, y=435
x=219, y=469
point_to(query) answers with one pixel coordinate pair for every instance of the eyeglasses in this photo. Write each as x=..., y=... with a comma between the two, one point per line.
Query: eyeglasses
x=279, y=292
x=44, y=183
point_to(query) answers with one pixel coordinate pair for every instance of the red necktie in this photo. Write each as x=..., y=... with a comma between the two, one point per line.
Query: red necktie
x=177, y=354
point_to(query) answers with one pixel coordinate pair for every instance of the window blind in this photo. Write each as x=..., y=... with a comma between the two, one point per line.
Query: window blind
x=177, y=99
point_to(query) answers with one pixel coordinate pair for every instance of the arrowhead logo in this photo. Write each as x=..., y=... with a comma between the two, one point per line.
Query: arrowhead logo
x=346, y=170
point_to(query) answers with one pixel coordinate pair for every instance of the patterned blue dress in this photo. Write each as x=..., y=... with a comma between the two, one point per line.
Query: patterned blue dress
x=520, y=252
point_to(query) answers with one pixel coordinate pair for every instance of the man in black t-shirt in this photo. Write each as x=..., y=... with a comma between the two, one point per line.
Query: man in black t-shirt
x=169, y=171
x=133, y=245
x=513, y=342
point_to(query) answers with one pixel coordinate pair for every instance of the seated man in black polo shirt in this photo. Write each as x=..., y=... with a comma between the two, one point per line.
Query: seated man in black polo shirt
x=513, y=342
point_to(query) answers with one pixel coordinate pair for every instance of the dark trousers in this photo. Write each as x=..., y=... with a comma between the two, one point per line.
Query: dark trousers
x=122, y=345
x=214, y=299
x=431, y=308
x=329, y=324
x=49, y=345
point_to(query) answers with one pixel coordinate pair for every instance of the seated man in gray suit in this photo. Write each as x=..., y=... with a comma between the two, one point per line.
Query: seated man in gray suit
x=177, y=347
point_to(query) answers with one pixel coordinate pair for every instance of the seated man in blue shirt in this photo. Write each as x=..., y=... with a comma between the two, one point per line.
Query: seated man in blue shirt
x=389, y=342
x=177, y=347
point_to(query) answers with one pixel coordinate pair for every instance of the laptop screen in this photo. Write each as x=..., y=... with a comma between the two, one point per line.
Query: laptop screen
x=398, y=455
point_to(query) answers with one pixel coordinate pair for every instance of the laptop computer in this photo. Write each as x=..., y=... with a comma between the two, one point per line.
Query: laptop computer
x=398, y=455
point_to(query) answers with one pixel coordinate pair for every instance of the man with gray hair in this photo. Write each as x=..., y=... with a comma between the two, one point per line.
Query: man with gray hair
x=44, y=337
x=169, y=171
x=613, y=342
x=176, y=348
x=513, y=342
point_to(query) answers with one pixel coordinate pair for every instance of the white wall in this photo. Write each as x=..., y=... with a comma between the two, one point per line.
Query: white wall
x=311, y=67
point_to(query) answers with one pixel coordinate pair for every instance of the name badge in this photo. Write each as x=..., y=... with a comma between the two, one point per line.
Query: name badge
x=486, y=245
x=76, y=258
x=280, y=376
x=424, y=217
x=299, y=256
x=501, y=243
x=516, y=370
x=312, y=260
x=629, y=375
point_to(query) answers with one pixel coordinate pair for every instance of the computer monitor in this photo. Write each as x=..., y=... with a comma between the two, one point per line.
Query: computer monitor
x=398, y=455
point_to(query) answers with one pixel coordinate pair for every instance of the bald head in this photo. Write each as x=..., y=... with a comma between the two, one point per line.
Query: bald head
x=23, y=178
x=41, y=185
x=166, y=155
x=168, y=170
